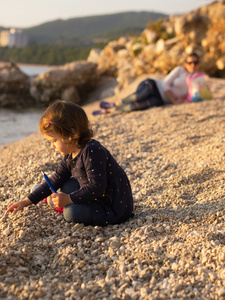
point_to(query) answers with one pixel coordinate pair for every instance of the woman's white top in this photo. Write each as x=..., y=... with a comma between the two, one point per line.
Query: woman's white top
x=175, y=81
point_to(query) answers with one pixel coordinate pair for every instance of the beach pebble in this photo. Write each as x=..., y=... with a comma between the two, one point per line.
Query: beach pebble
x=221, y=292
x=7, y=231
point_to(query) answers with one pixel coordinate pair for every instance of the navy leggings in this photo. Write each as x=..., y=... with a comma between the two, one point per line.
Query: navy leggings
x=77, y=213
x=83, y=213
x=147, y=95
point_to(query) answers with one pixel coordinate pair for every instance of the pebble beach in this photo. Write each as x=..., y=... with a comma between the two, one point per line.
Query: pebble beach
x=173, y=247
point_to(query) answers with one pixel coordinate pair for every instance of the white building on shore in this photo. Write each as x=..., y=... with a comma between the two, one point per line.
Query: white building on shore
x=13, y=38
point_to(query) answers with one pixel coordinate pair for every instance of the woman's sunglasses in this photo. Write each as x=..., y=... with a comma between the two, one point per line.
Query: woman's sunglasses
x=192, y=62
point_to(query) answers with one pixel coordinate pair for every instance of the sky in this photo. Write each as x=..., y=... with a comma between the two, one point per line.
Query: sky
x=28, y=13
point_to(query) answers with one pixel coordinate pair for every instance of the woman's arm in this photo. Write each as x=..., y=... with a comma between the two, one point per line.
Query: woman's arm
x=173, y=99
x=176, y=72
x=171, y=96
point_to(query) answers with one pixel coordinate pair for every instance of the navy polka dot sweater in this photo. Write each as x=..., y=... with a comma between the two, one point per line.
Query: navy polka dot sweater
x=101, y=180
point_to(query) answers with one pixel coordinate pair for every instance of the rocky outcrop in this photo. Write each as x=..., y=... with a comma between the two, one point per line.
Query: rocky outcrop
x=70, y=82
x=14, y=87
x=201, y=31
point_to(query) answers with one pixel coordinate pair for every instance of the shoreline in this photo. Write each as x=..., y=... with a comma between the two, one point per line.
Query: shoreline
x=18, y=124
x=29, y=117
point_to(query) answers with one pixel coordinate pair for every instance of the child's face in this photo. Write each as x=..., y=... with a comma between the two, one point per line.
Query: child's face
x=60, y=146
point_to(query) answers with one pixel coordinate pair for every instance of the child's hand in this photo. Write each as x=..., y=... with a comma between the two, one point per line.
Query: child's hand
x=61, y=199
x=19, y=205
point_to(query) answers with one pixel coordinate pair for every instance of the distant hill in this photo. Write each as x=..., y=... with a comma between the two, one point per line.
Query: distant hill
x=62, y=41
x=83, y=30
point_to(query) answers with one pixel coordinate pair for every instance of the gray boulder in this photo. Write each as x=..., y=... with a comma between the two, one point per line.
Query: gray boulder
x=71, y=82
x=14, y=87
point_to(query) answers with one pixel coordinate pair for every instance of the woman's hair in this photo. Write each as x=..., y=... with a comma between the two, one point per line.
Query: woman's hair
x=193, y=54
x=68, y=120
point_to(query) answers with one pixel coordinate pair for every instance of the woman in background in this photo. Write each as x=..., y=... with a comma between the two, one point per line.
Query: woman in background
x=152, y=92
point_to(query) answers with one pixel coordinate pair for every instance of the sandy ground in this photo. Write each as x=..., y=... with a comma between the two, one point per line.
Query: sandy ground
x=174, y=246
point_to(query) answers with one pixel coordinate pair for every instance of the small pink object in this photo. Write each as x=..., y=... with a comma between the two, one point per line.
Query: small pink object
x=58, y=209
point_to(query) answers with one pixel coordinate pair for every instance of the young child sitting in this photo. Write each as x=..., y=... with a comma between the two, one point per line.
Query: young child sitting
x=94, y=188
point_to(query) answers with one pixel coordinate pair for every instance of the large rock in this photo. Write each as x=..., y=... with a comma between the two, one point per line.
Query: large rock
x=108, y=57
x=149, y=35
x=192, y=23
x=14, y=87
x=71, y=82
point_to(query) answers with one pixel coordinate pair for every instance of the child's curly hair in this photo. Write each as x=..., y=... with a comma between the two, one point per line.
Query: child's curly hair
x=69, y=120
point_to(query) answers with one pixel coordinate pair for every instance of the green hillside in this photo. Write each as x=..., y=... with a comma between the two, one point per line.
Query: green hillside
x=79, y=30
x=62, y=41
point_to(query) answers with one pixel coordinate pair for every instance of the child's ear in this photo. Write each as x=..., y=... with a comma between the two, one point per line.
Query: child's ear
x=66, y=140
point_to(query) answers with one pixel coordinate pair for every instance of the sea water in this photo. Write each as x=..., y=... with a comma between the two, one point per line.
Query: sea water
x=33, y=70
x=18, y=124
